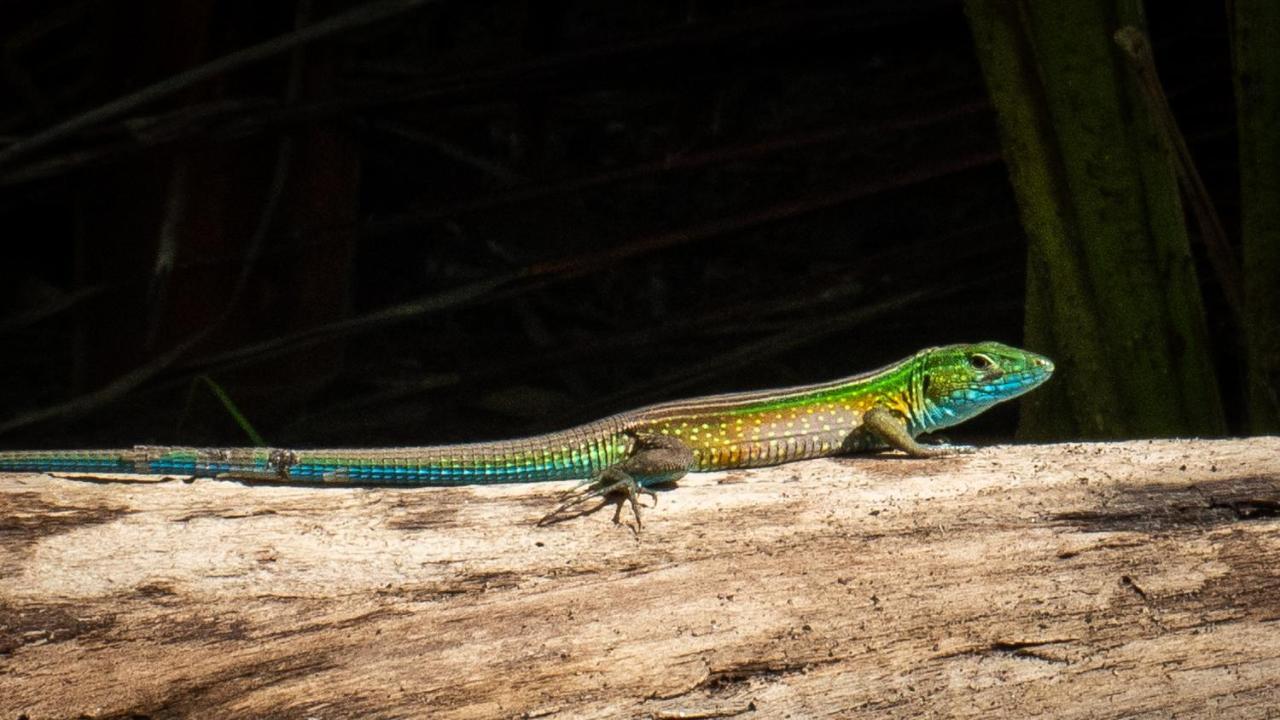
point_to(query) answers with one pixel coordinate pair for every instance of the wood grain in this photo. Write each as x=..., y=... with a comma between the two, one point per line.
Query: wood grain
x=1137, y=580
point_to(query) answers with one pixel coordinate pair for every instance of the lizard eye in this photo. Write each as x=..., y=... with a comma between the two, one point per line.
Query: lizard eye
x=980, y=362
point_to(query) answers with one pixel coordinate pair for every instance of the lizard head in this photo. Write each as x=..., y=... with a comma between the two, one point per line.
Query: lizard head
x=956, y=382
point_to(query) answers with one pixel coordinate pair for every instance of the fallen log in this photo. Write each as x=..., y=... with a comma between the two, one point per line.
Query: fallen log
x=1137, y=579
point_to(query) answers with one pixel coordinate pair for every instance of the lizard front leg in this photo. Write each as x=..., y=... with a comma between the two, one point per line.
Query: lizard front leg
x=891, y=429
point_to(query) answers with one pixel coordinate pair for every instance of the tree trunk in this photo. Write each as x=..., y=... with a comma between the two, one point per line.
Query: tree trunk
x=1255, y=27
x=1112, y=294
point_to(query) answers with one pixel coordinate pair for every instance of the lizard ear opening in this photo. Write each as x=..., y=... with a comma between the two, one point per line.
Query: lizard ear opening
x=924, y=384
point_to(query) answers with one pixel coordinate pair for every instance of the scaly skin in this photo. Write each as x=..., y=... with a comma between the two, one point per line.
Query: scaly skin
x=889, y=407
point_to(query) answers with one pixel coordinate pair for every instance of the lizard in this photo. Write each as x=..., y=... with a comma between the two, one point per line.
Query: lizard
x=631, y=452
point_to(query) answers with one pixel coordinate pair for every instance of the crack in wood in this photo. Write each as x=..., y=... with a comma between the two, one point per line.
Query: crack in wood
x=1022, y=649
x=742, y=673
x=473, y=584
x=226, y=515
x=1130, y=507
x=1249, y=508
x=1128, y=582
x=119, y=479
x=744, y=708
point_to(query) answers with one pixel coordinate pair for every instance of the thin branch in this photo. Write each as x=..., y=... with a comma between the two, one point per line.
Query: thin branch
x=451, y=150
x=60, y=304
x=364, y=15
x=166, y=257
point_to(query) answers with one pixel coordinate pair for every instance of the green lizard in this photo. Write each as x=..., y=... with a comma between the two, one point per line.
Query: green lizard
x=632, y=451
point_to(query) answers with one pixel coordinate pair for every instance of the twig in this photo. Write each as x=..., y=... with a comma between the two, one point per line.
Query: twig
x=166, y=248
x=451, y=150
x=60, y=304
x=364, y=15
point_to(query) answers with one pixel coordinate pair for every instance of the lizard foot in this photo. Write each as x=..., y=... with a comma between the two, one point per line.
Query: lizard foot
x=611, y=481
x=945, y=446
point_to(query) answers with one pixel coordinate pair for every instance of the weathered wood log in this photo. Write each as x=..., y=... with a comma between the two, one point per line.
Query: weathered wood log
x=1136, y=579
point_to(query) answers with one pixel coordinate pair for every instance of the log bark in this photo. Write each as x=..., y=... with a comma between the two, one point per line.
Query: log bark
x=1136, y=580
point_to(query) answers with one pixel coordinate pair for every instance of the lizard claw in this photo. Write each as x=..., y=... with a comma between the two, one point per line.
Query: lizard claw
x=607, y=483
x=633, y=490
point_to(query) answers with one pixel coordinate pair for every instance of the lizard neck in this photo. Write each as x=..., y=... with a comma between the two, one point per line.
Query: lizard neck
x=895, y=387
x=922, y=415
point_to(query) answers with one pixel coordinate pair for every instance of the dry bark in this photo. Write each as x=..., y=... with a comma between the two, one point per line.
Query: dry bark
x=1137, y=579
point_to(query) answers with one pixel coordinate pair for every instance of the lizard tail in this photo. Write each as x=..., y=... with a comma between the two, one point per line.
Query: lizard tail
x=67, y=461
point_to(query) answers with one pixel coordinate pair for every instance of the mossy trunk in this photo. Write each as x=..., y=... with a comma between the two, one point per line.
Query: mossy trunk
x=1112, y=294
x=1256, y=45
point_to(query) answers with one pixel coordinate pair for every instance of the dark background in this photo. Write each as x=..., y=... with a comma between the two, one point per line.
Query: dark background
x=484, y=219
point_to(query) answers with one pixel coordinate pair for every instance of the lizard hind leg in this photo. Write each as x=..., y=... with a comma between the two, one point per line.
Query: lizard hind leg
x=655, y=460
x=612, y=481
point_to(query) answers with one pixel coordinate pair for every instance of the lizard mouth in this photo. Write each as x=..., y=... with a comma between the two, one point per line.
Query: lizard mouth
x=1018, y=383
x=1042, y=365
